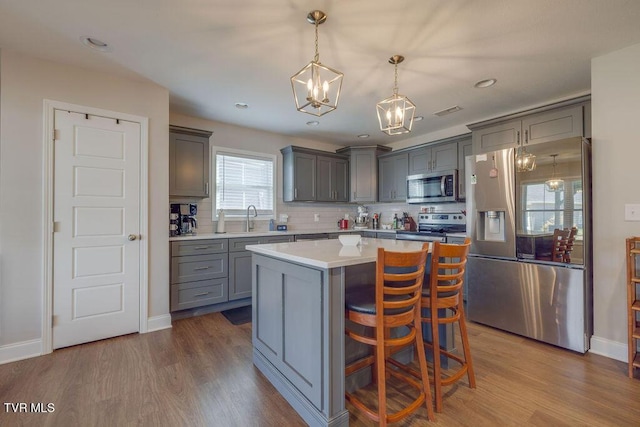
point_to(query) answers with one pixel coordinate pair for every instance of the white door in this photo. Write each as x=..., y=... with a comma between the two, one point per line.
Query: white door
x=96, y=249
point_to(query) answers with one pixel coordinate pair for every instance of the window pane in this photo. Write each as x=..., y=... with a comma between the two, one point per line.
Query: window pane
x=243, y=180
x=543, y=210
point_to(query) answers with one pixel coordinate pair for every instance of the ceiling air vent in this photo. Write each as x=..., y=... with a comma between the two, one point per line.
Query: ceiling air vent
x=447, y=111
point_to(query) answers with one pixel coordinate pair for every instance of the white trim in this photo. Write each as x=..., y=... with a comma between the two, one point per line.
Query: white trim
x=49, y=107
x=212, y=174
x=157, y=323
x=608, y=348
x=20, y=350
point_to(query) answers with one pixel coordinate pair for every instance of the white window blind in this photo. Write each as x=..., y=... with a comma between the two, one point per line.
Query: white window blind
x=244, y=179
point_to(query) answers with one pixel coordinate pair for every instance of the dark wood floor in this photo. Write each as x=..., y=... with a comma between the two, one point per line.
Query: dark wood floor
x=199, y=373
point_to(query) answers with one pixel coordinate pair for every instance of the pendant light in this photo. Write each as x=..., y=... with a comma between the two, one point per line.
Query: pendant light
x=395, y=114
x=554, y=184
x=316, y=87
x=525, y=161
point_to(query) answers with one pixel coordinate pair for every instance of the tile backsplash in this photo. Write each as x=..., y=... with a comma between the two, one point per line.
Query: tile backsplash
x=301, y=216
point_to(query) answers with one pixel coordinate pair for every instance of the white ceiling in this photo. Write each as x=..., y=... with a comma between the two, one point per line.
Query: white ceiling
x=212, y=54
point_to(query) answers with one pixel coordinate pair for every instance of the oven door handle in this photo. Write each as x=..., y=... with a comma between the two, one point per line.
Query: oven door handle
x=443, y=182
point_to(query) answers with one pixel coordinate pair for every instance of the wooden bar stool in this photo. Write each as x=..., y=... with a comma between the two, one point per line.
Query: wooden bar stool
x=442, y=297
x=393, y=302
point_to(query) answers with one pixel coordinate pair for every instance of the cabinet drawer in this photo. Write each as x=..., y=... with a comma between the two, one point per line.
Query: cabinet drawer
x=199, y=247
x=237, y=245
x=198, y=267
x=199, y=293
x=276, y=239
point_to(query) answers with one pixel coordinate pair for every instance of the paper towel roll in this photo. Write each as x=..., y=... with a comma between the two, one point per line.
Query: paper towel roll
x=220, y=228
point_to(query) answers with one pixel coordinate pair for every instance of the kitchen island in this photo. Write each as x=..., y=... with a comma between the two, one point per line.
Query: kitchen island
x=298, y=318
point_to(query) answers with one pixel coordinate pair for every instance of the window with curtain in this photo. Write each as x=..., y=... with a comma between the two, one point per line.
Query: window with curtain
x=243, y=179
x=543, y=210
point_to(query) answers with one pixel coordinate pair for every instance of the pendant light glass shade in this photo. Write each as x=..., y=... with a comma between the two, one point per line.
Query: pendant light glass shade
x=396, y=113
x=554, y=184
x=316, y=87
x=525, y=161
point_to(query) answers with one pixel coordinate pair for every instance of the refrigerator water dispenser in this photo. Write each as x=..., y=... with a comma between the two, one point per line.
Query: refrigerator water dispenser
x=491, y=226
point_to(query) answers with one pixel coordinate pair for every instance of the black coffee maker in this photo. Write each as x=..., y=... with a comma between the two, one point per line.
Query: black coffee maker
x=182, y=219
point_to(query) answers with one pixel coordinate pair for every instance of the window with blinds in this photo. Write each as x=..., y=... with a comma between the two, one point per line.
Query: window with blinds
x=243, y=179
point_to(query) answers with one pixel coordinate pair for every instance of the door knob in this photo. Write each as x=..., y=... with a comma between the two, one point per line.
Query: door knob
x=132, y=237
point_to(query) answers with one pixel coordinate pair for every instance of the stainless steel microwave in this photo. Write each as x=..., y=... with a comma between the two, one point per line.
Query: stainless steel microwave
x=433, y=188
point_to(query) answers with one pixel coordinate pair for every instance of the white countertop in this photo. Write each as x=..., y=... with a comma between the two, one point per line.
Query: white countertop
x=331, y=253
x=234, y=235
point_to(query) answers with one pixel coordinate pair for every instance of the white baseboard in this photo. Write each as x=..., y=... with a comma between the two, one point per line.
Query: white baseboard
x=20, y=350
x=611, y=349
x=157, y=323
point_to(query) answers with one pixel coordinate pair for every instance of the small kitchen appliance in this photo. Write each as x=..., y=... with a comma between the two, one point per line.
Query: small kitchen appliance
x=182, y=219
x=362, y=219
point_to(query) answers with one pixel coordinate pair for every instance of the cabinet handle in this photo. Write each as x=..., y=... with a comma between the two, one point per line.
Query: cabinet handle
x=526, y=136
x=295, y=193
x=518, y=137
x=200, y=247
x=206, y=188
x=202, y=294
x=354, y=194
x=201, y=268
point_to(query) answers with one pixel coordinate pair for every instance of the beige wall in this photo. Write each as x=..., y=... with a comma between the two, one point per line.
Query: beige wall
x=24, y=83
x=301, y=215
x=615, y=80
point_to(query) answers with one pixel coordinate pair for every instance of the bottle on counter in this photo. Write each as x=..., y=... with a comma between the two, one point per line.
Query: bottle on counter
x=395, y=221
x=220, y=227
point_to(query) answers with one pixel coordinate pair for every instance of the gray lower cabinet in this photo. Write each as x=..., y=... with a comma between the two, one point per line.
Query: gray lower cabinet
x=199, y=273
x=188, y=162
x=240, y=263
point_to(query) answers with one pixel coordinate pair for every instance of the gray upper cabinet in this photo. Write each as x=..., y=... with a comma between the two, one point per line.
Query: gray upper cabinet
x=465, y=148
x=332, y=179
x=433, y=158
x=188, y=162
x=528, y=129
x=363, y=171
x=312, y=175
x=393, y=170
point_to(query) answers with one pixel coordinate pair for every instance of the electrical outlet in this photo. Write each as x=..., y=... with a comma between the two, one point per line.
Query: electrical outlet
x=316, y=217
x=632, y=212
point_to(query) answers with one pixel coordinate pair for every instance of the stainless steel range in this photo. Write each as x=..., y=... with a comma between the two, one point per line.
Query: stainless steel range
x=446, y=227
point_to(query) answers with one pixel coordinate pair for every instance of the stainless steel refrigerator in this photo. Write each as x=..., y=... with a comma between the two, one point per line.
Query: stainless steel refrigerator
x=512, y=212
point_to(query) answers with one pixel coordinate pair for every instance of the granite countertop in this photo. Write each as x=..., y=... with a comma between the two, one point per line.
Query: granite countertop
x=331, y=253
x=233, y=235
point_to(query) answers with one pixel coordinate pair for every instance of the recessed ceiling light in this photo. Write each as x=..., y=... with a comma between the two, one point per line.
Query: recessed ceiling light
x=485, y=83
x=241, y=106
x=418, y=118
x=364, y=135
x=96, y=44
x=313, y=123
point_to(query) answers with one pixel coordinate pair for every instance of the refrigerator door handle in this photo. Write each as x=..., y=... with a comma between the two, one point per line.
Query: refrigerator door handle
x=443, y=191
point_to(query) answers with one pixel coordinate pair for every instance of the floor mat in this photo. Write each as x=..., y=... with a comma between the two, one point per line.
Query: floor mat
x=238, y=316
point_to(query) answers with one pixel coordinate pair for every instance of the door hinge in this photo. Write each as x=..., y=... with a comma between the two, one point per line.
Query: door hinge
x=56, y=134
x=56, y=226
x=54, y=320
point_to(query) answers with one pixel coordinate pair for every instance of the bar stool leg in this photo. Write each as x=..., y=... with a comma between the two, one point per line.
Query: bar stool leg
x=466, y=348
x=437, y=369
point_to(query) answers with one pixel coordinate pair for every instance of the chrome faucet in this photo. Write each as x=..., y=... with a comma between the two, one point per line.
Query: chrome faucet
x=255, y=214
